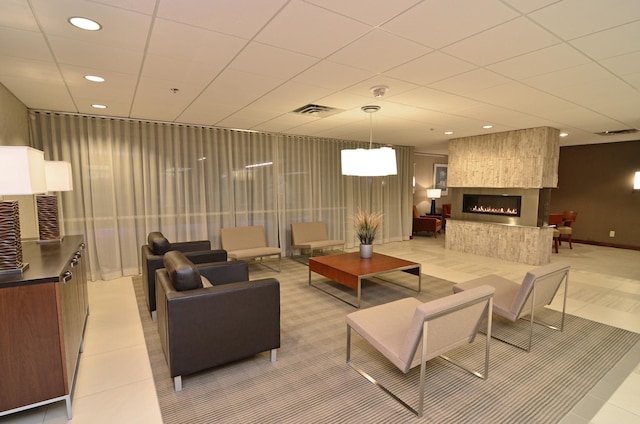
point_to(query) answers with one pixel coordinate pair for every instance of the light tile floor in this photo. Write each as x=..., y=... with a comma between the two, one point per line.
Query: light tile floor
x=115, y=384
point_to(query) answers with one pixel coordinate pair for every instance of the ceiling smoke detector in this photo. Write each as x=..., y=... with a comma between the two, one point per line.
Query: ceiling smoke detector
x=379, y=91
x=618, y=132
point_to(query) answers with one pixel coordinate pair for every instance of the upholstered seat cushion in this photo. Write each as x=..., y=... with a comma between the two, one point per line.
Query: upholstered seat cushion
x=253, y=252
x=158, y=243
x=503, y=297
x=182, y=272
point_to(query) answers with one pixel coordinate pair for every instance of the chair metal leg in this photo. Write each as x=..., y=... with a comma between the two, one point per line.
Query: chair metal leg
x=177, y=383
x=273, y=355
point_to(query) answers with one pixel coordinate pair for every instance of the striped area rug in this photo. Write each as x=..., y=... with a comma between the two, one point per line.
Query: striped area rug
x=311, y=383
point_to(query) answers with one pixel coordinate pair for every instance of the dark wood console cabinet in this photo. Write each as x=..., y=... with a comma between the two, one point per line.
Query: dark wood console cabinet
x=43, y=312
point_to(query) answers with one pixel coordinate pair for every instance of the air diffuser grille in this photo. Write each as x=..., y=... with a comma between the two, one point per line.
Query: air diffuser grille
x=317, y=110
x=618, y=132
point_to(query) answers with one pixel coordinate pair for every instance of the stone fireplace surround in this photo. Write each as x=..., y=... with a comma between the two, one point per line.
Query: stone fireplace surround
x=520, y=163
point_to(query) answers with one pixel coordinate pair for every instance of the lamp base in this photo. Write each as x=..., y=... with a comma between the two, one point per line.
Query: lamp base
x=14, y=270
x=10, y=243
x=433, y=207
x=48, y=218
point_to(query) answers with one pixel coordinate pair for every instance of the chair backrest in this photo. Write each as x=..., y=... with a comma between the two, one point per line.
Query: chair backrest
x=304, y=232
x=240, y=238
x=446, y=210
x=555, y=219
x=547, y=280
x=415, y=212
x=569, y=217
x=447, y=322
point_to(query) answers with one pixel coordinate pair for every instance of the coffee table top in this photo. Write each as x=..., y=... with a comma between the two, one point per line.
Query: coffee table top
x=353, y=264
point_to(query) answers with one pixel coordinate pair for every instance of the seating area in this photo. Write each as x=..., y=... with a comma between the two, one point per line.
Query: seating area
x=514, y=301
x=244, y=243
x=312, y=236
x=212, y=314
x=425, y=224
x=152, y=255
x=410, y=333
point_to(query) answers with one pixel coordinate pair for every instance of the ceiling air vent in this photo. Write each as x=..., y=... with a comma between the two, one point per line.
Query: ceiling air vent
x=619, y=132
x=317, y=110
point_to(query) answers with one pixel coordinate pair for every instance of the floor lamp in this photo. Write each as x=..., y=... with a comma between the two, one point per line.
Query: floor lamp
x=433, y=194
x=22, y=174
x=58, y=177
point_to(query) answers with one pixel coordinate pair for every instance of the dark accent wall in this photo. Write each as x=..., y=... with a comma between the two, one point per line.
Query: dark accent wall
x=596, y=181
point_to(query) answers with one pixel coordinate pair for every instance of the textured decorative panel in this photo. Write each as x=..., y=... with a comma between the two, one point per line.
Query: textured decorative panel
x=48, y=217
x=10, y=244
x=513, y=159
x=528, y=245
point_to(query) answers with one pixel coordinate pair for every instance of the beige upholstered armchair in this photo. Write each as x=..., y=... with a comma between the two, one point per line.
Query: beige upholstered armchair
x=312, y=236
x=514, y=301
x=409, y=333
x=243, y=243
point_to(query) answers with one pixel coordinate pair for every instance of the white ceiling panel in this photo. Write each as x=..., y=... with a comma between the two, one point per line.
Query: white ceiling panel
x=440, y=23
x=305, y=28
x=449, y=65
x=497, y=44
x=379, y=51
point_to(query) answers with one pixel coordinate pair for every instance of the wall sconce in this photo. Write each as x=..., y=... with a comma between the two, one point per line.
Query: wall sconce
x=433, y=194
x=636, y=182
x=22, y=173
x=58, y=178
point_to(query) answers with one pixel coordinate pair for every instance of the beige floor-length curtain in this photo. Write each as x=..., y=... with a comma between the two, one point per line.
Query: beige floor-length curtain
x=132, y=177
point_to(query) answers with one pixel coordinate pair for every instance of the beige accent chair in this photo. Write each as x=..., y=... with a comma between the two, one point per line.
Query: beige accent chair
x=568, y=218
x=397, y=329
x=514, y=301
x=312, y=236
x=243, y=243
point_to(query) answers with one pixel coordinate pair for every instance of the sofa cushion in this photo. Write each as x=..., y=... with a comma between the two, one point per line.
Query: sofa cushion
x=158, y=244
x=182, y=272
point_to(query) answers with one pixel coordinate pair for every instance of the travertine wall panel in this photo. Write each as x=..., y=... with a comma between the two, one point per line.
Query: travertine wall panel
x=515, y=159
x=528, y=245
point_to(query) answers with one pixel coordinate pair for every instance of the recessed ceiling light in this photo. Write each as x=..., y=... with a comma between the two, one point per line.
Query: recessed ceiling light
x=94, y=78
x=486, y=127
x=84, y=23
x=448, y=132
x=97, y=106
x=564, y=134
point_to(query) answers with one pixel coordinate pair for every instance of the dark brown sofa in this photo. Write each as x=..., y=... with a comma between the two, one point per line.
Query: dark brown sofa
x=203, y=327
x=198, y=252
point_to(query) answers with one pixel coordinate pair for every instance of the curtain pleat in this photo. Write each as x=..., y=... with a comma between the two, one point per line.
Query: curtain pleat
x=132, y=177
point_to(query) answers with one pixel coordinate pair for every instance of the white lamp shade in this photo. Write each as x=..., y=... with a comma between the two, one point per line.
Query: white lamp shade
x=636, y=181
x=22, y=171
x=58, y=175
x=433, y=193
x=369, y=162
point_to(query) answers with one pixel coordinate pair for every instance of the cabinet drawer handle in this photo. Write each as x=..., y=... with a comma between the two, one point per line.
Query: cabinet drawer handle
x=66, y=277
x=74, y=262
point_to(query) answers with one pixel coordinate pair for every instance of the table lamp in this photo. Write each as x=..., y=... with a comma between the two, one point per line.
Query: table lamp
x=58, y=178
x=22, y=173
x=433, y=194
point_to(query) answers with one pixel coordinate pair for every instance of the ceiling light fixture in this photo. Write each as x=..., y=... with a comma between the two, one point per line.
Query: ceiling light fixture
x=369, y=162
x=85, y=23
x=448, y=132
x=564, y=134
x=486, y=127
x=97, y=106
x=93, y=78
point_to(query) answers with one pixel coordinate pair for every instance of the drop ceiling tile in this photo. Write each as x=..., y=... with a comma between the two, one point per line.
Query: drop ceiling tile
x=527, y=6
x=497, y=44
x=84, y=53
x=440, y=23
x=180, y=72
x=242, y=18
x=289, y=96
x=433, y=99
x=469, y=82
x=510, y=96
x=17, y=14
x=378, y=51
x=624, y=65
x=24, y=44
x=271, y=61
x=181, y=42
x=570, y=19
x=345, y=101
x=332, y=76
x=154, y=98
x=430, y=68
x=550, y=59
x=372, y=12
x=142, y=6
x=563, y=80
x=396, y=86
x=50, y=95
x=614, y=42
x=33, y=70
x=305, y=28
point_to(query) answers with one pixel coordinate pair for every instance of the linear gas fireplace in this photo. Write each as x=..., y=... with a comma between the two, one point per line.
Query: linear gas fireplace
x=492, y=204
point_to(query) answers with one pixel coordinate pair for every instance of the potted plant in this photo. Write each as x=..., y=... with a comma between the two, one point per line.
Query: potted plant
x=366, y=226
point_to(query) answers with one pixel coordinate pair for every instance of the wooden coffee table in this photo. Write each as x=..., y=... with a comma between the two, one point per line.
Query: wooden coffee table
x=349, y=270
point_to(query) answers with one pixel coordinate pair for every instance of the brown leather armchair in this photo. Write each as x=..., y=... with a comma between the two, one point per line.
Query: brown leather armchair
x=152, y=253
x=211, y=321
x=421, y=223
